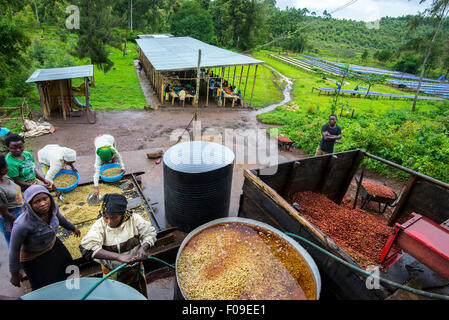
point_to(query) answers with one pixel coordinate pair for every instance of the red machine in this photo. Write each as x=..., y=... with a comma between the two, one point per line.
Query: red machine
x=425, y=240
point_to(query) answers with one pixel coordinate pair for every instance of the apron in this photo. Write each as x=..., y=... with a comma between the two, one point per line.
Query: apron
x=132, y=276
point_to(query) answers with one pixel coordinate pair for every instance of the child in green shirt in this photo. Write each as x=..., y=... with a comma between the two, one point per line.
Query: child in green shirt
x=21, y=164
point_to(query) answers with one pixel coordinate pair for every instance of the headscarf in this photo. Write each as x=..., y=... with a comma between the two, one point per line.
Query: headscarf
x=105, y=153
x=69, y=155
x=115, y=203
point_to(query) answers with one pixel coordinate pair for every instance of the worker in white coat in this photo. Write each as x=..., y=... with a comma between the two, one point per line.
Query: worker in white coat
x=54, y=158
x=105, y=152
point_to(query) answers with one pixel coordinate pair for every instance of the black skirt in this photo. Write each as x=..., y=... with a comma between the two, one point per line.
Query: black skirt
x=49, y=267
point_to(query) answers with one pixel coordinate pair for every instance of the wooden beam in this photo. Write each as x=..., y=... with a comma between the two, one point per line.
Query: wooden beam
x=87, y=100
x=220, y=98
x=62, y=100
x=404, y=197
x=233, y=78
x=197, y=91
x=207, y=92
x=41, y=97
x=254, y=85
x=68, y=83
x=246, y=82
x=240, y=79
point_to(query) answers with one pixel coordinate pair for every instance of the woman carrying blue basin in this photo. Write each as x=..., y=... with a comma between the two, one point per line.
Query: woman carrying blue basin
x=105, y=152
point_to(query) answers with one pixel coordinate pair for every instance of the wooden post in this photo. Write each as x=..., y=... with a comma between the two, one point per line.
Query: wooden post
x=398, y=209
x=240, y=79
x=254, y=85
x=233, y=78
x=41, y=97
x=207, y=92
x=62, y=100
x=197, y=91
x=221, y=88
x=70, y=94
x=246, y=82
x=46, y=98
x=161, y=86
x=87, y=100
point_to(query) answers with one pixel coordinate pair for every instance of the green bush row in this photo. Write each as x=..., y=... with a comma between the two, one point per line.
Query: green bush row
x=419, y=141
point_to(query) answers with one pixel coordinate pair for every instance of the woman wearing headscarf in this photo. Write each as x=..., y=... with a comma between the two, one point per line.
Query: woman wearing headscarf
x=119, y=236
x=105, y=152
x=34, y=244
x=54, y=158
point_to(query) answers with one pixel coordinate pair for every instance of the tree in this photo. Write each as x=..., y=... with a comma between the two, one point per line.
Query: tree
x=13, y=62
x=96, y=32
x=438, y=12
x=194, y=21
x=365, y=55
x=371, y=80
x=383, y=55
x=242, y=21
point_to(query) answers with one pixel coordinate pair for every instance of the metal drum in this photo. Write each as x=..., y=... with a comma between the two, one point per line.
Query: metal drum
x=311, y=270
x=197, y=183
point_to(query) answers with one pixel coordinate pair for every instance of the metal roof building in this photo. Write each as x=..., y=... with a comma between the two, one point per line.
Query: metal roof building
x=56, y=91
x=62, y=73
x=164, y=55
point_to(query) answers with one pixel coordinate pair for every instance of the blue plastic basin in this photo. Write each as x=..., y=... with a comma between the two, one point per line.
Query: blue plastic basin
x=73, y=186
x=108, y=290
x=109, y=166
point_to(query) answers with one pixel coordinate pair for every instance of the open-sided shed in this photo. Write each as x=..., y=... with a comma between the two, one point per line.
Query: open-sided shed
x=56, y=91
x=169, y=58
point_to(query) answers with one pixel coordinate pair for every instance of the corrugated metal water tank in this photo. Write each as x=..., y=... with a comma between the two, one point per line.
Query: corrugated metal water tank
x=197, y=183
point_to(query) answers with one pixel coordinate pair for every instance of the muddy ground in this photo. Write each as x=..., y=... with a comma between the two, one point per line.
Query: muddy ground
x=139, y=132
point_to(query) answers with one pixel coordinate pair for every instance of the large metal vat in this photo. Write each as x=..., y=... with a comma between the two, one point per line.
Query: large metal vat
x=197, y=183
x=313, y=269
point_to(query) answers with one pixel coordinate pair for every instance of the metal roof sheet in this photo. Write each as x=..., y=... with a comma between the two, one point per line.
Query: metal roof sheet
x=62, y=73
x=181, y=53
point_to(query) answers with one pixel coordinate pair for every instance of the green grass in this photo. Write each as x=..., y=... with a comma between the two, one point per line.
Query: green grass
x=119, y=88
x=305, y=81
x=386, y=128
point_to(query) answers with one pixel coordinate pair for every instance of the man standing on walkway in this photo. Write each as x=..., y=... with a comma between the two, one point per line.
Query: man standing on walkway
x=330, y=132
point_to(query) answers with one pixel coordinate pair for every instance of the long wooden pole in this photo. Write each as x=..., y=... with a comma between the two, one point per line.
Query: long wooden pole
x=62, y=100
x=207, y=92
x=41, y=97
x=233, y=78
x=254, y=85
x=240, y=79
x=221, y=88
x=87, y=100
x=197, y=91
x=246, y=82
